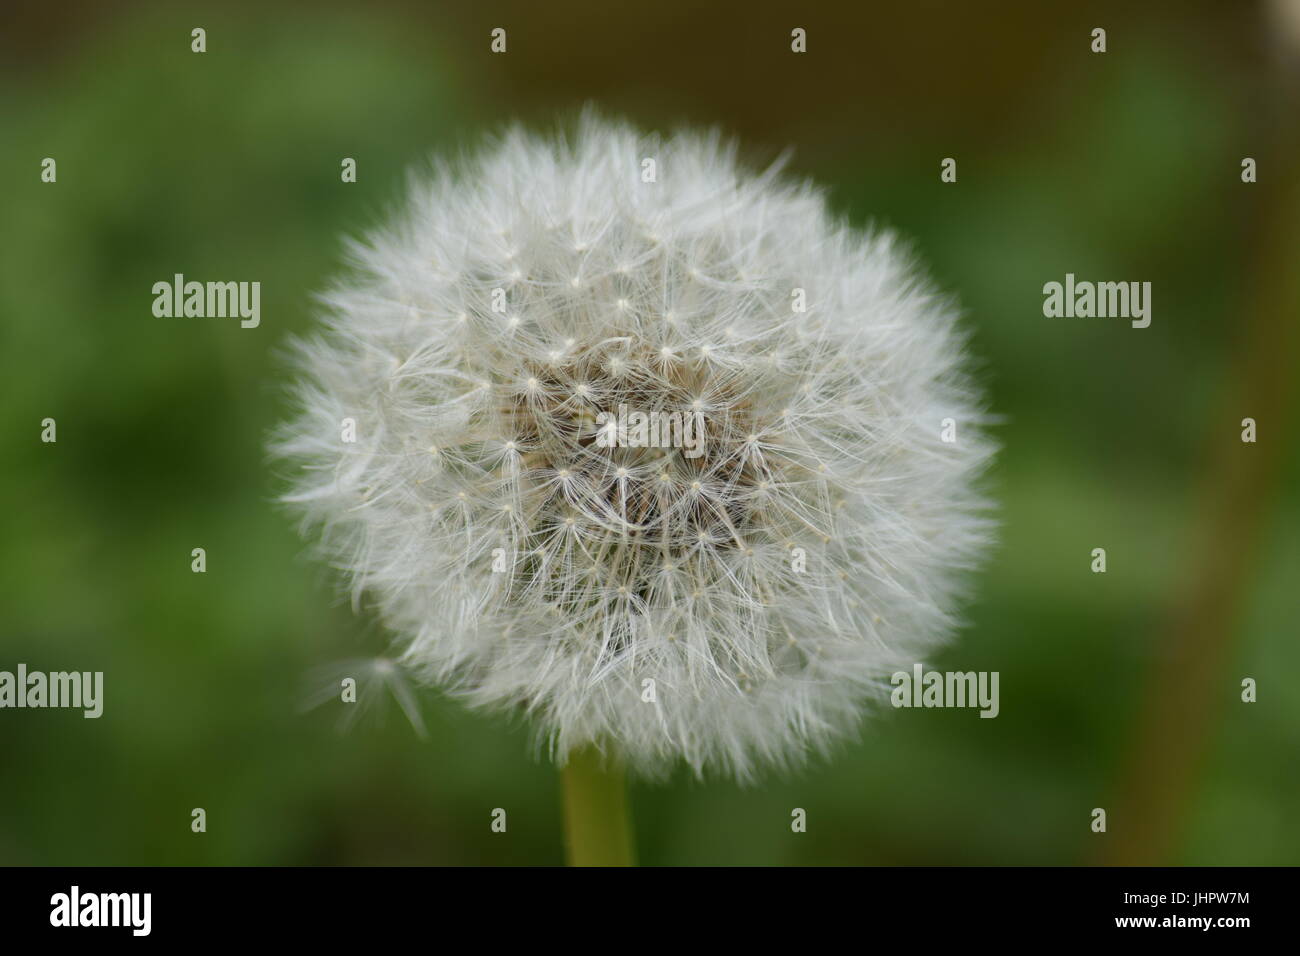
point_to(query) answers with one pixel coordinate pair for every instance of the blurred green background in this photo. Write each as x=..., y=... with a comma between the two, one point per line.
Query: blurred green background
x=1120, y=166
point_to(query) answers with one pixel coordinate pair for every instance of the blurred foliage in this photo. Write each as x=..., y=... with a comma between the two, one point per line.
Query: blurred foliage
x=227, y=165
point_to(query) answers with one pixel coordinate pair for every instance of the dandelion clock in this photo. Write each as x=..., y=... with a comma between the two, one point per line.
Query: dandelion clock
x=650, y=448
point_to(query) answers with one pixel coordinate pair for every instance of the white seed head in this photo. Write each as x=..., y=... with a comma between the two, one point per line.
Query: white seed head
x=769, y=585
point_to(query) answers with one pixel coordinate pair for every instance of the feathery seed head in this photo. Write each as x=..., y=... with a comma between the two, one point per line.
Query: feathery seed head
x=659, y=462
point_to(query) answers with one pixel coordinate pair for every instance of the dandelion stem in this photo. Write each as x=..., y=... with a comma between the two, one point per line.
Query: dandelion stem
x=596, y=827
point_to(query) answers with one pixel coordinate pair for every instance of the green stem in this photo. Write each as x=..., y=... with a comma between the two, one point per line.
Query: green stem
x=596, y=827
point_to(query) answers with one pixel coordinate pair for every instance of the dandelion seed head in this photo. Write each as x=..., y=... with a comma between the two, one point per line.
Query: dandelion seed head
x=768, y=587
